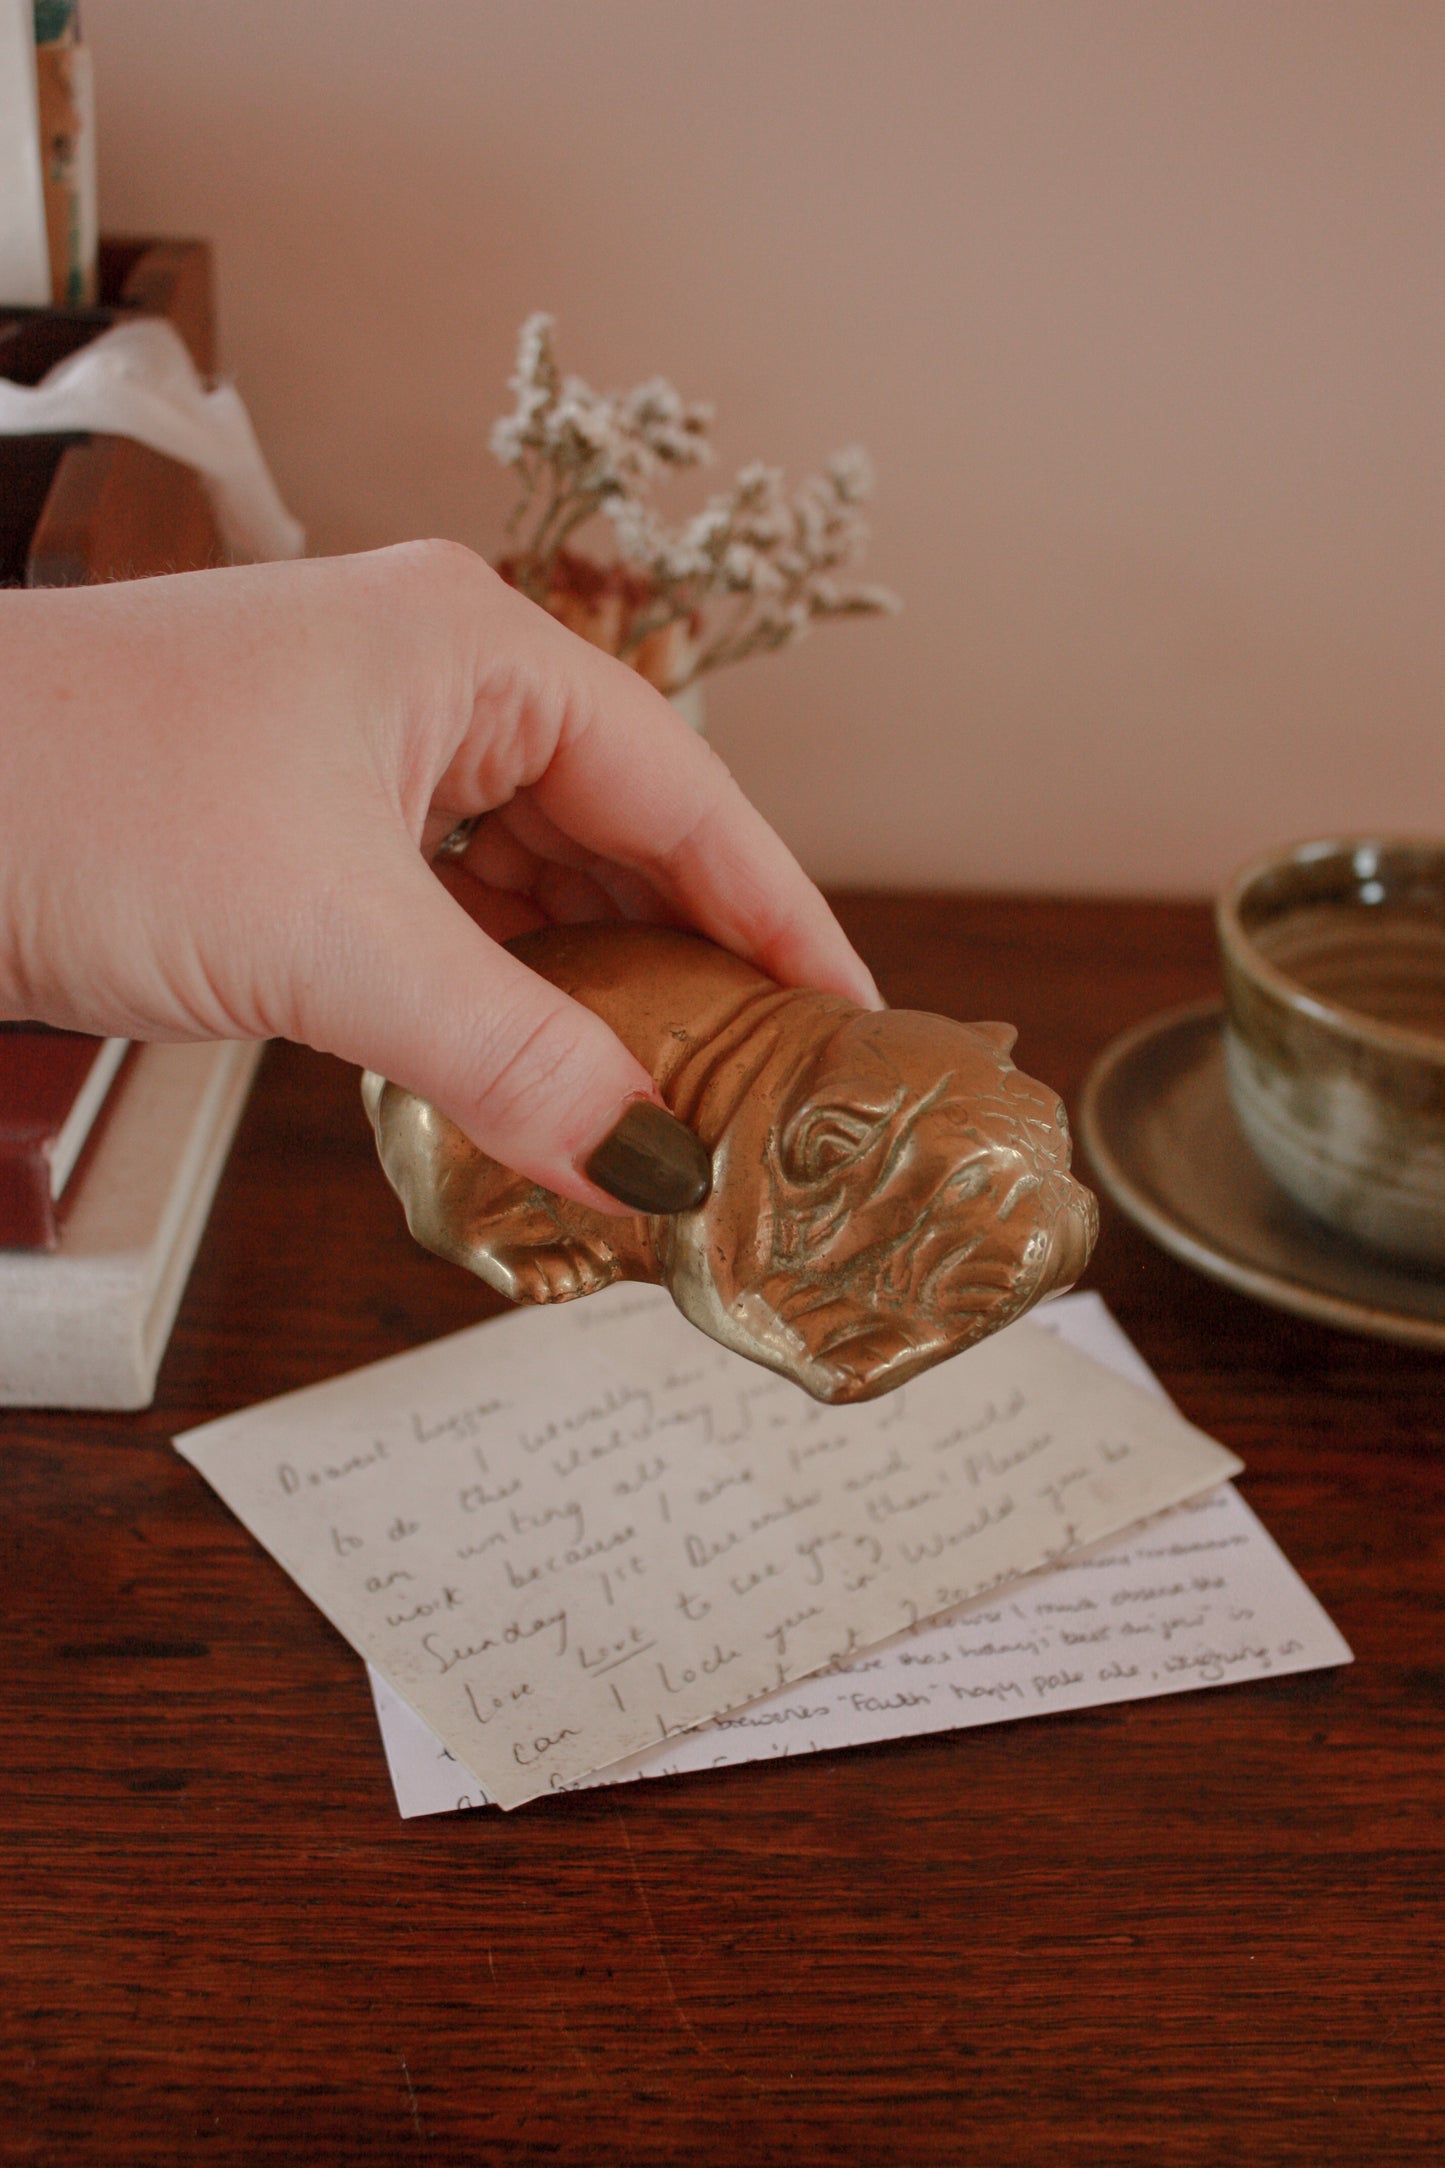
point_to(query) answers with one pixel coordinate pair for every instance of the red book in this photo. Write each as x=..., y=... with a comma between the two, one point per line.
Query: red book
x=53, y=1084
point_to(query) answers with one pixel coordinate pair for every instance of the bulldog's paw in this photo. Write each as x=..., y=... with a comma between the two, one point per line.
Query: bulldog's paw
x=560, y=1272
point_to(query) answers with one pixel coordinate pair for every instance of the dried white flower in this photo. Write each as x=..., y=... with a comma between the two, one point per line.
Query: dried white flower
x=673, y=432
x=535, y=363
x=534, y=382
x=641, y=536
x=851, y=473
x=752, y=571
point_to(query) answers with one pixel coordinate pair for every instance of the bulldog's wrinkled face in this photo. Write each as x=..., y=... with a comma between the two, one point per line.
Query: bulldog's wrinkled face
x=900, y=1191
x=887, y=1189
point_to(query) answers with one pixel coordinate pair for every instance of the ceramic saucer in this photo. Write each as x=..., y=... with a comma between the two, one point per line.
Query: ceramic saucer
x=1156, y=1122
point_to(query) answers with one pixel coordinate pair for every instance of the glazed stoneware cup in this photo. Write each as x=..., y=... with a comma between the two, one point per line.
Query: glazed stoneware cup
x=1334, y=969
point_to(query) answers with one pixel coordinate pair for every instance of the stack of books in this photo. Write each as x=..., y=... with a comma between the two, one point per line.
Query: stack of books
x=47, y=156
x=109, y=1159
x=109, y=1156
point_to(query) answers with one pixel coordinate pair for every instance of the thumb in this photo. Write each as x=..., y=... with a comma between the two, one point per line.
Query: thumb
x=411, y=987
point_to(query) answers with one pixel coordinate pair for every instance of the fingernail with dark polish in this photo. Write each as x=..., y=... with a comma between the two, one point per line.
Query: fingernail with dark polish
x=652, y=1161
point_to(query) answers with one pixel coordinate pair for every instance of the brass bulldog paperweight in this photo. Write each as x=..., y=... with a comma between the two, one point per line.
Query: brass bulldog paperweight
x=887, y=1188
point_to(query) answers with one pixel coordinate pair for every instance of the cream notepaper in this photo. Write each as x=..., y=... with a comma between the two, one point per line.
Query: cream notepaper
x=567, y=1535
x=1201, y=1596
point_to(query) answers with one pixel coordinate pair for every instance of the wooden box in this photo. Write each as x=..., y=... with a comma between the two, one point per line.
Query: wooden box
x=77, y=509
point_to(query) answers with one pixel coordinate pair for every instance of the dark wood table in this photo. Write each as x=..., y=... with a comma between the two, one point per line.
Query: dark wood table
x=1199, y=1929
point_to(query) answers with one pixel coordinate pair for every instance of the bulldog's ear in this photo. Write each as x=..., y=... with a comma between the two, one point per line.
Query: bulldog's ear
x=999, y=1037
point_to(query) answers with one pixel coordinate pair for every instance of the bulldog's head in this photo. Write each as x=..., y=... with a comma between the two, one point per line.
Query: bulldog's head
x=887, y=1190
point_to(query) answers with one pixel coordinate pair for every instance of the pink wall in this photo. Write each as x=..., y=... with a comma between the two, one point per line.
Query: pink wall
x=1138, y=308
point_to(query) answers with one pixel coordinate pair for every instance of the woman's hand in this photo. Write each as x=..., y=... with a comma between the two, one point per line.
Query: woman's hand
x=218, y=792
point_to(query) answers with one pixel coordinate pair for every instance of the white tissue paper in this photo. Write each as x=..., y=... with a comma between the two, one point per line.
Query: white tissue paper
x=138, y=380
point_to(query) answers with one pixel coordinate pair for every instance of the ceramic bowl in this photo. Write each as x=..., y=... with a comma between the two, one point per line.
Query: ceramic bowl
x=1334, y=969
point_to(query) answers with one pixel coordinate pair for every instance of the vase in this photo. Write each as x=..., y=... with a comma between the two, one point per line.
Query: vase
x=691, y=707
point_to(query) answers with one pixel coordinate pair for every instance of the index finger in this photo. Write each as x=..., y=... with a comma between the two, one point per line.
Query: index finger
x=614, y=766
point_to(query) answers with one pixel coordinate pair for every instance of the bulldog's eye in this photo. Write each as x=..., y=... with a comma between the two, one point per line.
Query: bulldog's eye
x=970, y=1181
x=824, y=1139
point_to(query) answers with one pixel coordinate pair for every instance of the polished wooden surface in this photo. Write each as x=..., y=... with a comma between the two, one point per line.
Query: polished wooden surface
x=1204, y=1929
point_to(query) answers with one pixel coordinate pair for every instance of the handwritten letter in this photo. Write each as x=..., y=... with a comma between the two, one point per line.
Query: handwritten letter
x=1201, y=1596
x=568, y=1535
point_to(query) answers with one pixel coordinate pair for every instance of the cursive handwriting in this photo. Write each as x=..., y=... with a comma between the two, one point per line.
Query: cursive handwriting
x=611, y=1535
x=447, y=1659
x=293, y=1479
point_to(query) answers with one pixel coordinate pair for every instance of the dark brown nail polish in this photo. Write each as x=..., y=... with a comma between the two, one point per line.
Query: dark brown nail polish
x=652, y=1161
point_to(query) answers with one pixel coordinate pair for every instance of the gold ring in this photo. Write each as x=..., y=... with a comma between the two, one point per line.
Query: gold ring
x=454, y=843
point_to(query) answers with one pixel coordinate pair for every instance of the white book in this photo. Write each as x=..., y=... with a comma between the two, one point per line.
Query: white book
x=24, y=250
x=78, y=1123
x=85, y=1325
